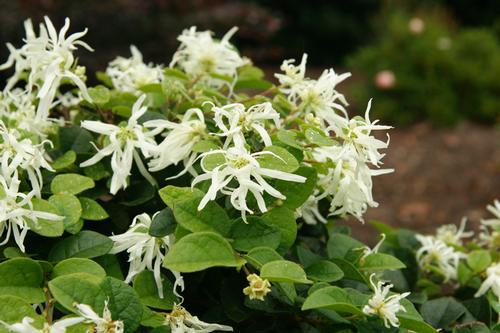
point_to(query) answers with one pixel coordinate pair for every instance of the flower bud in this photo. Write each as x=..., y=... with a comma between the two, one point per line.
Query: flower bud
x=258, y=287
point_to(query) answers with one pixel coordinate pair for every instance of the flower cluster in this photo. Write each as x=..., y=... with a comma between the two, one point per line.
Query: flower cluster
x=130, y=74
x=205, y=59
x=434, y=253
x=145, y=251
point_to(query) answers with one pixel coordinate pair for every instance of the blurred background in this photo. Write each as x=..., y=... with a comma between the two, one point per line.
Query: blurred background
x=432, y=67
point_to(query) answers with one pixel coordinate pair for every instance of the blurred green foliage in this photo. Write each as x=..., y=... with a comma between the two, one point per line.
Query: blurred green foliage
x=422, y=68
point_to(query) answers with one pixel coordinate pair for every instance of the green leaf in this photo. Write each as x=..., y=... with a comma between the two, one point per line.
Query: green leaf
x=297, y=193
x=464, y=273
x=151, y=88
x=104, y=78
x=175, y=73
x=152, y=319
x=65, y=161
x=283, y=271
x=289, y=137
x=69, y=207
x=211, y=218
x=442, y=312
x=325, y=271
x=99, y=94
x=259, y=256
x=163, y=223
x=75, y=138
x=248, y=72
x=213, y=160
x=47, y=228
x=13, y=309
x=78, y=265
x=85, y=244
x=350, y=272
x=96, y=171
x=92, y=210
x=414, y=325
x=252, y=84
x=339, y=245
x=315, y=136
x=288, y=290
x=333, y=298
x=22, y=277
x=381, y=262
x=124, y=303
x=13, y=252
x=71, y=183
x=255, y=233
x=145, y=287
x=283, y=219
x=171, y=194
x=204, y=146
x=479, y=260
x=111, y=265
x=280, y=160
x=199, y=251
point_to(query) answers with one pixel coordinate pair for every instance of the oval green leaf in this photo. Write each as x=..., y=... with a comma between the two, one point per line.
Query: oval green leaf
x=198, y=251
x=284, y=271
x=85, y=244
x=71, y=183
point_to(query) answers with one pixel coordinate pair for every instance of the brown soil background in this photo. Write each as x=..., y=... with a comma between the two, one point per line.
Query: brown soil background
x=440, y=176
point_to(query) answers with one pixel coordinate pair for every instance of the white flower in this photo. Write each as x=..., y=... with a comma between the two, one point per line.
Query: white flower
x=383, y=306
x=16, y=208
x=244, y=169
x=314, y=96
x=122, y=145
x=130, y=74
x=309, y=211
x=181, y=321
x=104, y=324
x=18, y=58
x=199, y=55
x=492, y=281
x=145, y=251
x=349, y=181
x=25, y=155
x=25, y=326
x=18, y=108
x=495, y=210
x=178, y=143
x=356, y=134
x=435, y=253
x=367, y=251
x=294, y=76
x=452, y=235
x=490, y=228
x=234, y=120
x=49, y=60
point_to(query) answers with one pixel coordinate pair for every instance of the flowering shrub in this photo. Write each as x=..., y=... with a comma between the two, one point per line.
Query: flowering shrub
x=445, y=76
x=201, y=188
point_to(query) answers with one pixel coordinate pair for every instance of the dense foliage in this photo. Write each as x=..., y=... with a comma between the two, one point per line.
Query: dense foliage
x=419, y=68
x=201, y=189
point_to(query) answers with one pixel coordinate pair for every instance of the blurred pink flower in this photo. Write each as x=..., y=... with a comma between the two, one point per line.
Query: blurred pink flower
x=385, y=79
x=416, y=25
